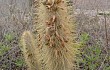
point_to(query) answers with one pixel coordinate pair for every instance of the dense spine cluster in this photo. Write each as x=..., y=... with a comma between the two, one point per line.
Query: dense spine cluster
x=29, y=50
x=55, y=48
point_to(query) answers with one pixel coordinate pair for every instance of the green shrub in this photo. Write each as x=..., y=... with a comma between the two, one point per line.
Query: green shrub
x=91, y=57
x=3, y=49
x=19, y=62
x=9, y=37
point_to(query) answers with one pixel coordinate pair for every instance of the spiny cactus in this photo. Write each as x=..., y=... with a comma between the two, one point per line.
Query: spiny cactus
x=56, y=48
x=29, y=50
x=55, y=31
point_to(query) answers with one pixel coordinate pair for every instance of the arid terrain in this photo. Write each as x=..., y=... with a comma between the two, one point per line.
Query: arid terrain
x=93, y=28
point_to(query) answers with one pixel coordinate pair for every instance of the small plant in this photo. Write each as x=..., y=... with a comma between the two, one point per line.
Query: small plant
x=19, y=62
x=9, y=37
x=91, y=56
x=84, y=38
x=3, y=49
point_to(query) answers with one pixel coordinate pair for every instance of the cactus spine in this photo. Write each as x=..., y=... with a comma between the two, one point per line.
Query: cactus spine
x=29, y=50
x=55, y=42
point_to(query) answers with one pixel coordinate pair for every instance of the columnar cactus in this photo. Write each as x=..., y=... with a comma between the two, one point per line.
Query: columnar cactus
x=29, y=50
x=55, y=39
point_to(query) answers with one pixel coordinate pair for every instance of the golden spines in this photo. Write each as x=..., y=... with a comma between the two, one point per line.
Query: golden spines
x=29, y=50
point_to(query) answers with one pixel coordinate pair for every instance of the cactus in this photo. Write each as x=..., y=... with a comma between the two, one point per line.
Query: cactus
x=55, y=48
x=29, y=50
